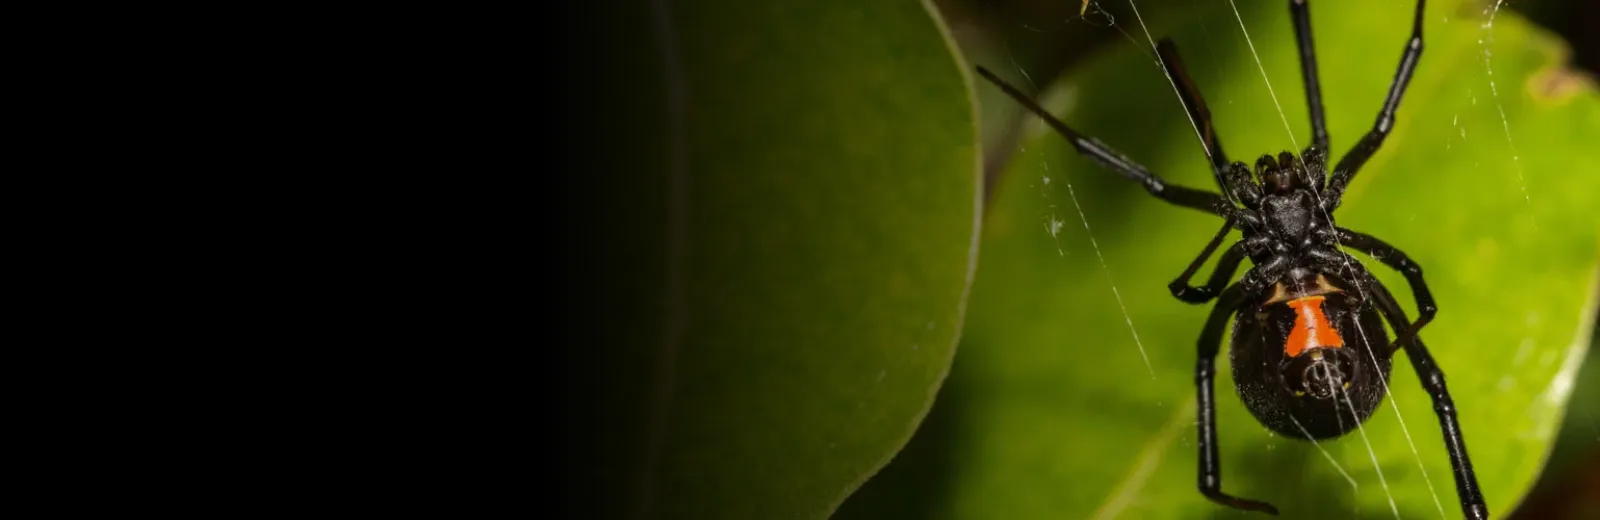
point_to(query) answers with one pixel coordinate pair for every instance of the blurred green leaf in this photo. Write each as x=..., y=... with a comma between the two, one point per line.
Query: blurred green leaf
x=1051, y=410
x=803, y=240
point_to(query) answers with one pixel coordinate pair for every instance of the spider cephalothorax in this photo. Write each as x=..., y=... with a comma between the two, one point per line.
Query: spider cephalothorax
x=1309, y=352
x=1288, y=200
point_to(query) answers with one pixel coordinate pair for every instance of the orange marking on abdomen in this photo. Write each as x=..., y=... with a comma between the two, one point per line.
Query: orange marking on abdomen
x=1311, y=328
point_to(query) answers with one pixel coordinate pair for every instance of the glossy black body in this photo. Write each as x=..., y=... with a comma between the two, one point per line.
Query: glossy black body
x=1265, y=376
x=1285, y=211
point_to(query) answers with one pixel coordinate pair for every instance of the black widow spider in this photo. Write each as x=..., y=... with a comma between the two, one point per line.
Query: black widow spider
x=1307, y=329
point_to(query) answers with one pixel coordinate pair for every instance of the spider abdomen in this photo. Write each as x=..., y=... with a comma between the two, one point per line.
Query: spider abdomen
x=1310, y=364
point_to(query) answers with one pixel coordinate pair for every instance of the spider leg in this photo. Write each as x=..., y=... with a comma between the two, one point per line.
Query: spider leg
x=1315, y=160
x=1472, y=505
x=1205, y=371
x=1099, y=152
x=1308, y=72
x=1230, y=262
x=1243, y=187
x=1352, y=161
x=1226, y=266
x=1195, y=104
x=1397, y=260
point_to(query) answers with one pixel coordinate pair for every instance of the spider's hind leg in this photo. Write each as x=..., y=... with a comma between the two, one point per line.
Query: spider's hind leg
x=1204, y=373
x=1432, y=378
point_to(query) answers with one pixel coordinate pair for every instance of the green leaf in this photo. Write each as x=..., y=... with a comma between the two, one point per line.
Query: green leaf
x=800, y=244
x=1052, y=411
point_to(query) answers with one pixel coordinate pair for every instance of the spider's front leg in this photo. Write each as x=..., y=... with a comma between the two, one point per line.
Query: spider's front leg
x=1195, y=104
x=1352, y=161
x=1308, y=72
x=1097, y=151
